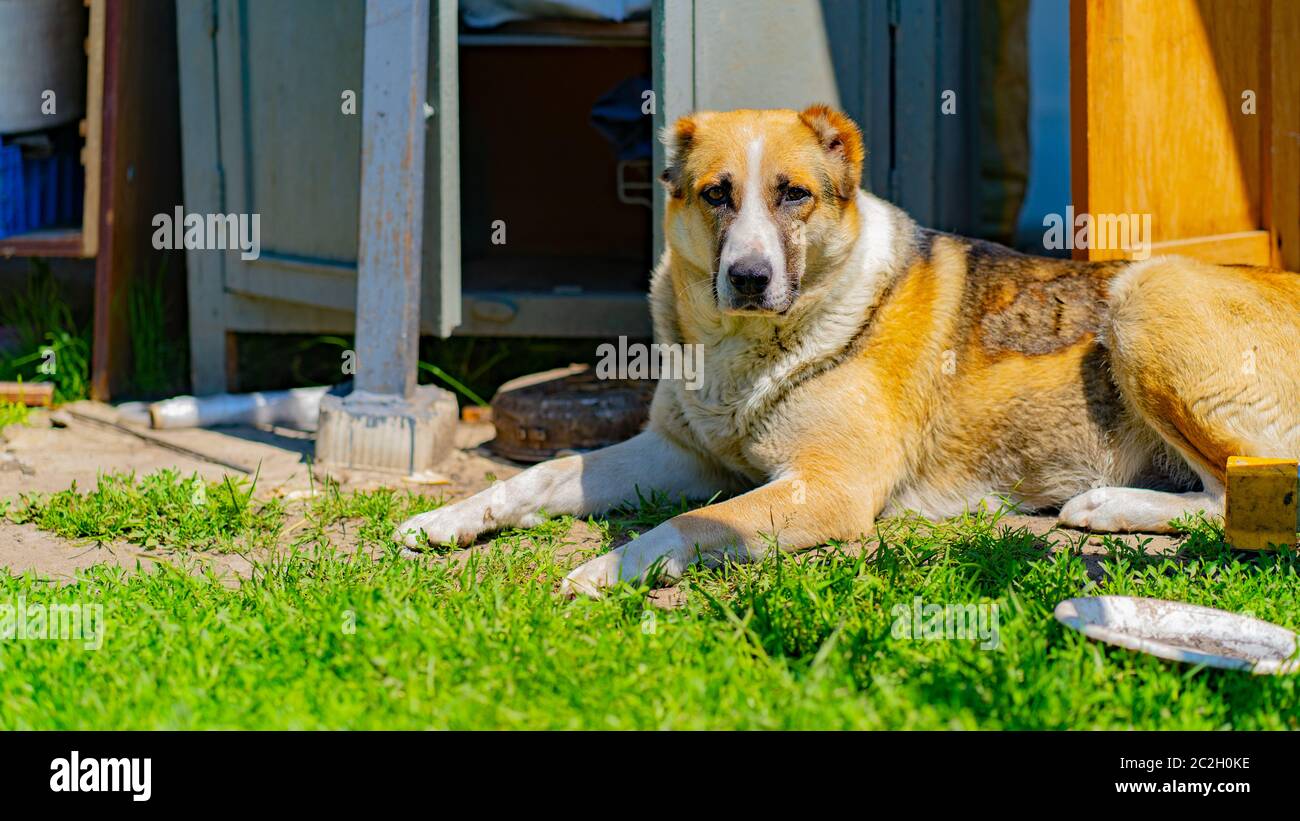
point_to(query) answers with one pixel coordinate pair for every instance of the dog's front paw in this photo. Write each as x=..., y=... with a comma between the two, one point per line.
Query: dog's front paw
x=591, y=578
x=1097, y=510
x=455, y=523
x=1120, y=510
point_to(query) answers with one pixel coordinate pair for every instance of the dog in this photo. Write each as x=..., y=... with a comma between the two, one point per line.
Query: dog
x=857, y=365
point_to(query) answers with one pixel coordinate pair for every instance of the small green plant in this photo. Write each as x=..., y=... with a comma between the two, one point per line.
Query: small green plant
x=454, y=383
x=158, y=359
x=365, y=518
x=13, y=413
x=50, y=345
x=162, y=509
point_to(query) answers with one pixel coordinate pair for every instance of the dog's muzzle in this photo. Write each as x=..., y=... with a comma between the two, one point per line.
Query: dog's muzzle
x=753, y=286
x=749, y=277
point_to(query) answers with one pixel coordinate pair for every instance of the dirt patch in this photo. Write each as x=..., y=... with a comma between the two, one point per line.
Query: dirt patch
x=25, y=548
x=1058, y=538
x=43, y=457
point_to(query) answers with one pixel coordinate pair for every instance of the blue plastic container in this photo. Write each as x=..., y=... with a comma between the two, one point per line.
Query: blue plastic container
x=38, y=193
x=13, y=211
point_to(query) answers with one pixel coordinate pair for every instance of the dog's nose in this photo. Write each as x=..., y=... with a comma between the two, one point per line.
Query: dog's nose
x=749, y=275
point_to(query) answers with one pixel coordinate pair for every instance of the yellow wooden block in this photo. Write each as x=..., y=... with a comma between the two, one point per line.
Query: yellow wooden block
x=1262, y=502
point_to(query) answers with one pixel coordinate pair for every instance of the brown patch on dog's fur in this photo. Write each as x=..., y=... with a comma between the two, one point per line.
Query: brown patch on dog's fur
x=1042, y=316
x=1032, y=305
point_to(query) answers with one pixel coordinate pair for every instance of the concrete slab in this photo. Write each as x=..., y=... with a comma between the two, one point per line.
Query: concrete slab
x=385, y=432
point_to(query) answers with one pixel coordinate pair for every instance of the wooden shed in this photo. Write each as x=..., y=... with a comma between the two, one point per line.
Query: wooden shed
x=1157, y=125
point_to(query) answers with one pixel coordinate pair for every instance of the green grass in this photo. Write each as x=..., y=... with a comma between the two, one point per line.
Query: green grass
x=161, y=509
x=322, y=638
x=51, y=346
x=159, y=356
x=13, y=413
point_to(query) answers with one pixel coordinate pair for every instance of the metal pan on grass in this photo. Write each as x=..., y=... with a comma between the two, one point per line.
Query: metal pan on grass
x=1184, y=632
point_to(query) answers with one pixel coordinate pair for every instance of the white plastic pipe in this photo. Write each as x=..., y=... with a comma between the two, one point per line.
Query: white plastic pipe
x=296, y=408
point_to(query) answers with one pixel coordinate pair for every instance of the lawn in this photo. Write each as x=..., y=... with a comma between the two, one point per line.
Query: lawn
x=323, y=637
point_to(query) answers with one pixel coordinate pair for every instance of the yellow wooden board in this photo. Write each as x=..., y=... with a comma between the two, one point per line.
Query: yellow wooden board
x=1187, y=111
x=1261, y=505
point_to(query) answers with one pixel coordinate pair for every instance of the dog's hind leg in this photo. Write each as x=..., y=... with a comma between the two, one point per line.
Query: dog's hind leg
x=1209, y=357
x=579, y=485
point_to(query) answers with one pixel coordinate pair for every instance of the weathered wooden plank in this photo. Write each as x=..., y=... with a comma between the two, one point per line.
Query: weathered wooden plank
x=605, y=314
x=109, y=336
x=1284, y=134
x=916, y=109
x=249, y=314
x=392, y=195
x=441, y=289
x=196, y=24
x=487, y=313
x=141, y=158
x=672, y=45
x=294, y=279
x=91, y=151
x=35, y=394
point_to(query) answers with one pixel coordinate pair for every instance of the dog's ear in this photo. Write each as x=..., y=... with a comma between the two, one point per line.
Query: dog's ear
x=677, y=141
x=841, y=138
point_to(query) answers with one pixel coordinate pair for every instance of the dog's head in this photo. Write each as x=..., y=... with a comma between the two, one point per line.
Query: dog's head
x=762, y=201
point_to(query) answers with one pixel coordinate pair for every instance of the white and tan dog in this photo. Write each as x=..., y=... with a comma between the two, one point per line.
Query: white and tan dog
x=856, y=364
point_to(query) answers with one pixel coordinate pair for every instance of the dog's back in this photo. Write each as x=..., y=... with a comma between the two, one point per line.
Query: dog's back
x=1024, y=407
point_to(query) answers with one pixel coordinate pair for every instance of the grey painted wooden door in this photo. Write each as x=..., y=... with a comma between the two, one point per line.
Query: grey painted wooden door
x=271, y=110
x=288, y=151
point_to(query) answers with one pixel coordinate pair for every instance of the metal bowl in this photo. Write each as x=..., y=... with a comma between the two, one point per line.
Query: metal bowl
x=1184, y=632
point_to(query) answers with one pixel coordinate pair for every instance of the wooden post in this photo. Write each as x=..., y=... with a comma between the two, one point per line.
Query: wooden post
x=196, y=28
x=392, y=195
x=386, y=423
x=138, y=174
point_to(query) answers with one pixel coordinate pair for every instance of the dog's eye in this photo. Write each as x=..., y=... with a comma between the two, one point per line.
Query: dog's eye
x=714, y=195
x=795, y=194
